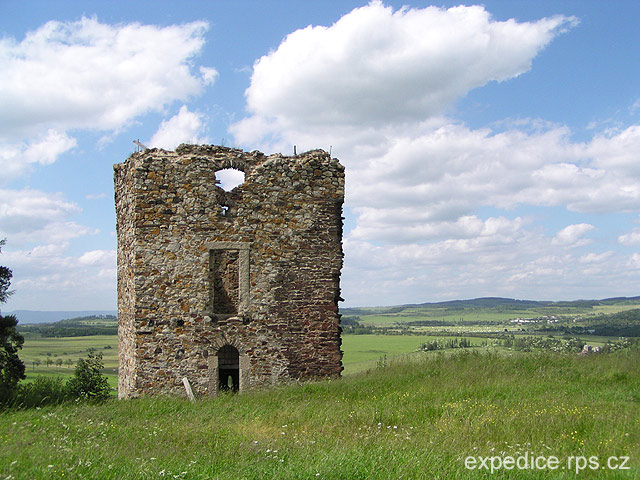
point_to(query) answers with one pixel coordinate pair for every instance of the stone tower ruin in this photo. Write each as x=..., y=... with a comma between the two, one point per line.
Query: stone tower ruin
x=229, y=289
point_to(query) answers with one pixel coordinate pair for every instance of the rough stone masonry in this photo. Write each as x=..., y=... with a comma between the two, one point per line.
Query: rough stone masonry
x=230, y=289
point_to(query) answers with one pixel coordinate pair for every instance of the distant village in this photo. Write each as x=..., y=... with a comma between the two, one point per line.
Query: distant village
x=545, y=319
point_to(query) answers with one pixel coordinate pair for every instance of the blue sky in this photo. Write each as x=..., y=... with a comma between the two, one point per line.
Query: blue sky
x=490, y=150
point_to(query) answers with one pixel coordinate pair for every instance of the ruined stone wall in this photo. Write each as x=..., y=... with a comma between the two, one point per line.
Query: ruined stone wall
x=199, y=268
x=126, y=267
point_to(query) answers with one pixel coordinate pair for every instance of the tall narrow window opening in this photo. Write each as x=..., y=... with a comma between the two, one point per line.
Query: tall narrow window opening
x=224, y=281
x=228, y=280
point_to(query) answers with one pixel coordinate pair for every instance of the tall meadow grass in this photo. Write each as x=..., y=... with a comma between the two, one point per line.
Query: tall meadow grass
x=410, y=420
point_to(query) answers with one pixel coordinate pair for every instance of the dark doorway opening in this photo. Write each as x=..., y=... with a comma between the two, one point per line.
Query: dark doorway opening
x=228, y=369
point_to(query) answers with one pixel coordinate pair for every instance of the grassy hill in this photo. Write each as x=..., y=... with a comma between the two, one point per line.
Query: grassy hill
x=409, y=420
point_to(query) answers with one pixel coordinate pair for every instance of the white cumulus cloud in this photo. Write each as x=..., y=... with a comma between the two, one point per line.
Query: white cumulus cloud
x=378, y=67
x=33, y=216
x=90, y=75
x=375, y=86
x=184, y=127
x=379, y=87
x=44, y=149
x=631, y=238
x=634, y=261
x=573, y=235
x=46, y=277
x=98, y=257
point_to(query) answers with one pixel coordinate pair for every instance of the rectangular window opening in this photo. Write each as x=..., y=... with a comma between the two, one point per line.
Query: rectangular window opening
x=224, y=281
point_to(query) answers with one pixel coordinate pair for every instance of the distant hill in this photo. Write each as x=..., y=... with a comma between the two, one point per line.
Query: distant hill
x=35, y=316
x=486, y=302
x=489, y=302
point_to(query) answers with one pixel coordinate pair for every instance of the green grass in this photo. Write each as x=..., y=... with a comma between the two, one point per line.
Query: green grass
x=412, y=420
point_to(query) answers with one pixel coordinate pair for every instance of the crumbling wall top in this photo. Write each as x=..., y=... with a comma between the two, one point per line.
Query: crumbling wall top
x=229, y=157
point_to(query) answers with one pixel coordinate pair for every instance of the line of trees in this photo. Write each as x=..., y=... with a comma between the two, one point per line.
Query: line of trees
x=444, y=344
x=79, y=330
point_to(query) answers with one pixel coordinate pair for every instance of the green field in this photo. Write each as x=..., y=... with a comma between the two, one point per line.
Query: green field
x=363, y=352
x=68, y=348
x=419, y=419
x=365, y=348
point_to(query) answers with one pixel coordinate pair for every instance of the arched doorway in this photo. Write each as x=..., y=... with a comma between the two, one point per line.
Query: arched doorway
x=228, y=369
